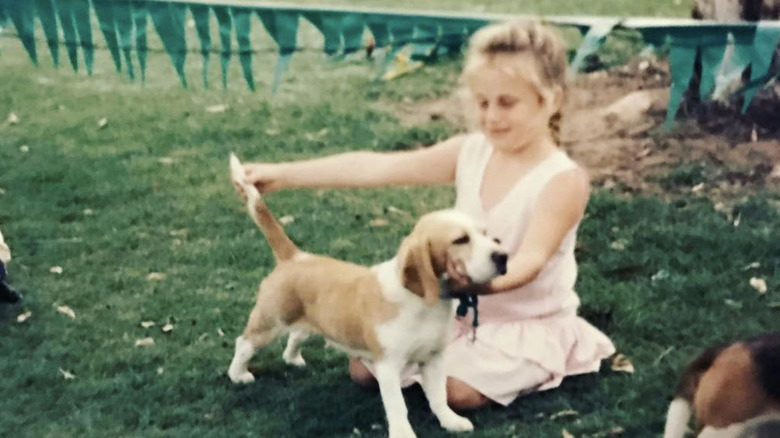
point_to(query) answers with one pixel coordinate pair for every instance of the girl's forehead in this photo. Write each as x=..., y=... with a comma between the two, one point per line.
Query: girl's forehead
x=511, y=72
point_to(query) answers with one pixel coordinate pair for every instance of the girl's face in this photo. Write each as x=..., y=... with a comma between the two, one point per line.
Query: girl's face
x=510, y=110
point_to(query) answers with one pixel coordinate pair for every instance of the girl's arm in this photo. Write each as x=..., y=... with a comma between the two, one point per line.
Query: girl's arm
x=560, y=206
x=433, y=165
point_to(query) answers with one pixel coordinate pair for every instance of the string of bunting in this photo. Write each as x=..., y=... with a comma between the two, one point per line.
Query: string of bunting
x=125, y=27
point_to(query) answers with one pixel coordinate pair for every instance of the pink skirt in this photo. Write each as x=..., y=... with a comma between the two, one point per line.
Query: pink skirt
x=507, y=359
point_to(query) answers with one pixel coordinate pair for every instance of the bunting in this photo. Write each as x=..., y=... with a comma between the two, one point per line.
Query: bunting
x=402, y=36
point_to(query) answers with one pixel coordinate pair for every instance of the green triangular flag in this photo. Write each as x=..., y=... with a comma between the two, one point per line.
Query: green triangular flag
x=329, y=25
x=81, y=17
x=764, y=46
x=123, y=17
x=23, y=15
x=168, y=19
x=283, y=28
x=104, y=11
x=68, y=25
x=202, y=16
x=140, y=24
x=48, y=16
x=225, y=20
x=242, y=18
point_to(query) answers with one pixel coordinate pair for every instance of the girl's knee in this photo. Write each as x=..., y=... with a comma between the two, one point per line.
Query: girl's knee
x=462, y=397
x=360, y=374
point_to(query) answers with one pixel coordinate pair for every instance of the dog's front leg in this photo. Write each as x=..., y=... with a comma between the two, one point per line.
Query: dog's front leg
x=434, y=383
x=388, y=375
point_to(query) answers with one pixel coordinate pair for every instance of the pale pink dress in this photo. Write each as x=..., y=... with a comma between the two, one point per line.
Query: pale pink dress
x=533, y=330
x=530, y=338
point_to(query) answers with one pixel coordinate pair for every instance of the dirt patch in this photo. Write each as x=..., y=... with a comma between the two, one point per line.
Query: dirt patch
x=613, y=125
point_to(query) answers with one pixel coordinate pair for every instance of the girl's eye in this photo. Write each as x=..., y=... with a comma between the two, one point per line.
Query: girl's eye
x=483, y=104
x=507, y=102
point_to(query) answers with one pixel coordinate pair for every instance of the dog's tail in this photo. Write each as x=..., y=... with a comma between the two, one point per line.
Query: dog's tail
x=281, y=245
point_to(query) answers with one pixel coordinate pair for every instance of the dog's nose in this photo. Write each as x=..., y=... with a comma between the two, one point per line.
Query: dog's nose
x=499, y=259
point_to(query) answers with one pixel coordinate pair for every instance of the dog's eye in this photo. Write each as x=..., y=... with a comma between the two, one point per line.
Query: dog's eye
x=461, y=240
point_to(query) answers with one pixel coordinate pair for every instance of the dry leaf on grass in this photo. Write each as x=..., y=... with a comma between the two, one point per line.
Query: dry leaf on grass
x=564, y=413
x=12, y=119
x=220, y=332
x=621, y=364
x=733, y=303
x=67, y=375
x=67, y=311
x=102, y=123
x=178, y=233
x=55, y=270
x=147, y=324
x=145, y=342
x=754, y=265
x=286, y=220
x=167, y=328
x=617, y=430
x=565, y=434
x=213, y=109
x=379, y=222
x=160, y=370
x=758, y=284
x=618, y=245
x=24, y=148
x=165, y=160
x=156, y=276
x=24, y=317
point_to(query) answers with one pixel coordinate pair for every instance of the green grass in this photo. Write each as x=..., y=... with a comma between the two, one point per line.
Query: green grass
x=149, y=193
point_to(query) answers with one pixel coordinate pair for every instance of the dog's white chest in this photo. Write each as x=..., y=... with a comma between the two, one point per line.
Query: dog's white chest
x=420, y=330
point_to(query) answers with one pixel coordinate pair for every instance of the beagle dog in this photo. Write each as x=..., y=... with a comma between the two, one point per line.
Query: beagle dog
x=393, y=313
x=726, y=386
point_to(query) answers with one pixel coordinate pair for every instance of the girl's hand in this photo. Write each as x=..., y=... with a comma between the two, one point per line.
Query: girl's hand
x=266, y=177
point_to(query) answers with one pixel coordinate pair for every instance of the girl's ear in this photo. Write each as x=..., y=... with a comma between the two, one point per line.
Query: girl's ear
x=554, y=99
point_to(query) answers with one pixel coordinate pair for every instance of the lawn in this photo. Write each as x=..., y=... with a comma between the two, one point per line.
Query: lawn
x=117, y=205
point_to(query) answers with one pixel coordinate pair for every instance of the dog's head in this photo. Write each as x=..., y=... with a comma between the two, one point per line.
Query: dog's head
x=448, y=241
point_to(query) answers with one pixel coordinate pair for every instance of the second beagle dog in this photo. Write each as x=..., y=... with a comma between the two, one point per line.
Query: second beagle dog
x=727, y=385
x=392, y=313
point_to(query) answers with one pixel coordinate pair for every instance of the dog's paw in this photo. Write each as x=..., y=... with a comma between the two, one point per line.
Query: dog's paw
x=241, y=377
x=455, y=423
x=296, y=360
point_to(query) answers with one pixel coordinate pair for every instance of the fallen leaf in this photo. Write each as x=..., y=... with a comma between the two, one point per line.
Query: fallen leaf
x=165, y=160
x=145, y=342
x=55, y=270
x=220, y=332
x=617, y=430
x=697, y=188
x=88, y=212
x=271, y=132
x=737, y=220
x=177, y=233
x=102, y=123
x=564, y=413
x=156, y=276
x=160, y=370
x=67, y=311
x=732, y=303
x=396, y=210
x=24, y=148
x=620, y=363
x=753, y=136
x=24, y=317
x=67, y=375
x=758, y=284
x=203, y=337
x=12, y=119
x=754, y=265
x=663, y=274
x=379, y=222
x=167, y=328
x=618, y=245
x=147, y=324
x=286, y=220
x=565, y=434
x=213, y=109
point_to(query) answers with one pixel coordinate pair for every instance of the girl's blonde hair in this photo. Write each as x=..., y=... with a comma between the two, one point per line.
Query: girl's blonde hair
x=524, y=37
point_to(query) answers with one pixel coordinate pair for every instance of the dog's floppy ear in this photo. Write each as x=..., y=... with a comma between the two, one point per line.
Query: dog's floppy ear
x=417, y=272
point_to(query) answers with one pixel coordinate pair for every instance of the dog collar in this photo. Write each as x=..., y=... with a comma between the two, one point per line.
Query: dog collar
x=466, y=301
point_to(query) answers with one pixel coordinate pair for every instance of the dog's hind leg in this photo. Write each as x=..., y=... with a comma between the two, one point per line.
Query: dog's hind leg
x=254, y=337
x=292, y=353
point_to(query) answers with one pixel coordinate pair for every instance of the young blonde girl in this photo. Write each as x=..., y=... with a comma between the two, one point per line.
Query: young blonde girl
x=512, y=175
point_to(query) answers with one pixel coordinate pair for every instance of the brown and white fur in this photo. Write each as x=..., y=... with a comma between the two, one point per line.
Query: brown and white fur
x=726, y=386
x=392, y=313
